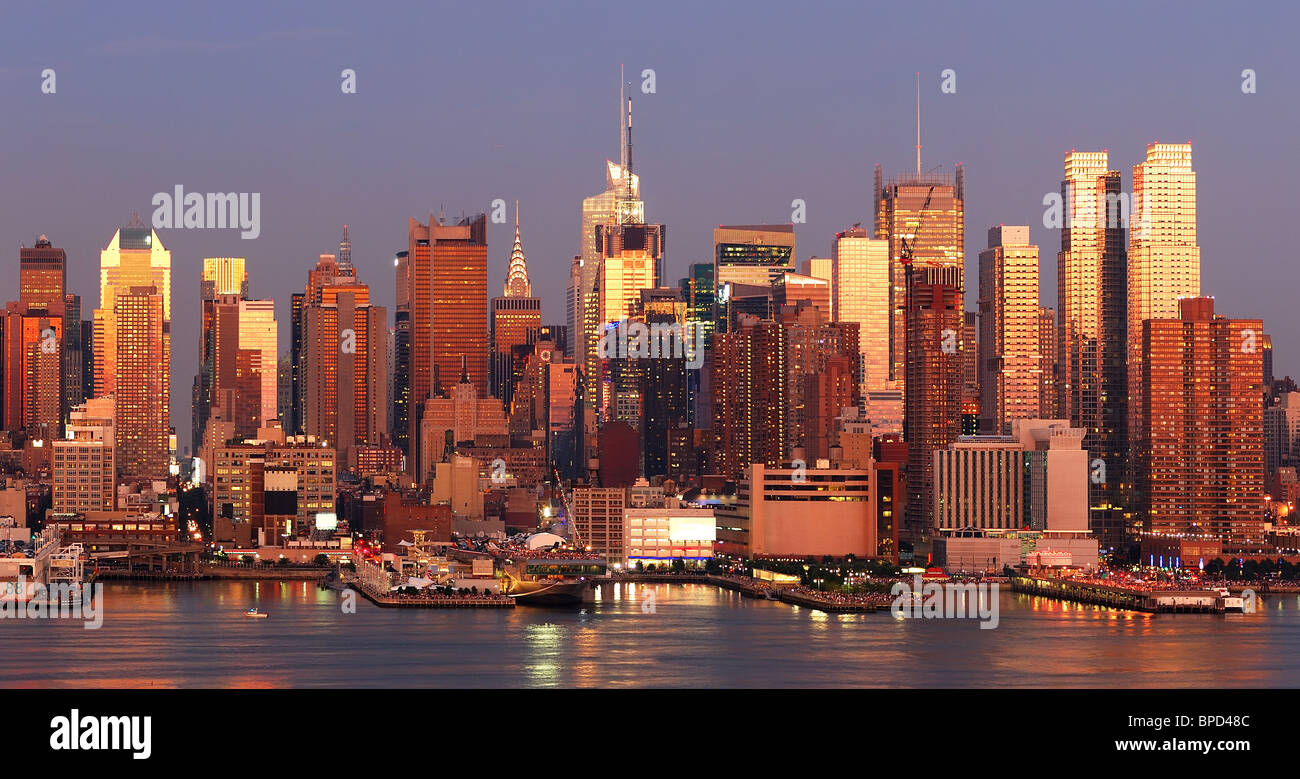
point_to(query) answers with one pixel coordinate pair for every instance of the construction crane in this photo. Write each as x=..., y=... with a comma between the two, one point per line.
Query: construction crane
x=905, y=253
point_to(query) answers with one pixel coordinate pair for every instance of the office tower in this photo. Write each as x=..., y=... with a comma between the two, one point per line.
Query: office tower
x=1092, y=301
x=792, y=288
x=749, y=396
x=923, y=218
x=87, y=358
x=860, y=267
x=447, y=288
x=1268, y=361
x=663, y=382
x=1200, y=455
x=83, y=462
x=1009, y=358
x=970, y=387
x=293, y=421
x=515, y=317
x=598, y=519
x=140, y=380
x=42, y=274
x=1049, y=370
x=345, y=369
x=223, y=288
x=819, y=373
x=700, y=293
x=934, y=376
x=73, y=357
x=630, y=256
x=31, y=366
x=752, y=254
x=345, y=253
x=284, y=387
x=135, y=257
x=1164, y=260
x=824, y=268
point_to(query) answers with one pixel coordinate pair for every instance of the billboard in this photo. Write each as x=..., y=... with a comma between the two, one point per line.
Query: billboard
x=692, y=528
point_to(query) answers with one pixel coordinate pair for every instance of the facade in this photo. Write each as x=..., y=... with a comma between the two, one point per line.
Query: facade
x=828, y=511
x=658, y=536
x=42, y=274
x=31, y=369
x=239, y=480
x=447, y=287
x=142, y=382
x=752, y=254
x=464, y=417
x=598, y=520
x=860, y=267
x=1200, y=467
x=934, y=382
x=1009, y=358
x=84, y=475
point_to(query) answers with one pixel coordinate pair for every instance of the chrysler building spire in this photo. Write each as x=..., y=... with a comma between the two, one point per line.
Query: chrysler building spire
x=517, y=285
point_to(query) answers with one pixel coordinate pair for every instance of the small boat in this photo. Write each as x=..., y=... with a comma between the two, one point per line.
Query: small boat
x=253, y=613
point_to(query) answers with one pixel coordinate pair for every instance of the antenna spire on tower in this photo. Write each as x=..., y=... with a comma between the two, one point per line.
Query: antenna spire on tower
x=918, y=123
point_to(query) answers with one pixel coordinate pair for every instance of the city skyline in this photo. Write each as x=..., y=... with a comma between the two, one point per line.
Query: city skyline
x=706, y=168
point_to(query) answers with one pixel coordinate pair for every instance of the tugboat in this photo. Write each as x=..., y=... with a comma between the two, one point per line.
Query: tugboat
x=1227, y=602
x=253, y=613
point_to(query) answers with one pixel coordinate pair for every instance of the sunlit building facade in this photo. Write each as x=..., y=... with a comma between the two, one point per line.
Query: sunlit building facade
x=1009, y=358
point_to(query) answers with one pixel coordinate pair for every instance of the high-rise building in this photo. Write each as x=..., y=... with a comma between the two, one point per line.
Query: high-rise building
x=1091, y=344
x=860, y=268
x=31, y=369
x=141, y=382
x=42, y=274
x=923, y=218
x=231, y=324
x=1049, y=369
x=1164, y=260
x=345, y=369
x=753, y=254
x=515, y=317
x=246, y=471
x=135, y=257
x=1282, y=432
x=1010, y=360
x=1200, y=453
x=447, y=288
x=83, y=465
x=934, y=376
x=73, y=353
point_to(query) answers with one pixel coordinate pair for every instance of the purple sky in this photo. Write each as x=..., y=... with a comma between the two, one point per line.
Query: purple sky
x=461, y=104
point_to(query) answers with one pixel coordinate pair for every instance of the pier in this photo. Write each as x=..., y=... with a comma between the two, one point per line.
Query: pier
x=750, y=588
x=1150, y=601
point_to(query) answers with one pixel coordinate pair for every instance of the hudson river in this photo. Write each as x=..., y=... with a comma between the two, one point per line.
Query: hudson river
x=194, y=634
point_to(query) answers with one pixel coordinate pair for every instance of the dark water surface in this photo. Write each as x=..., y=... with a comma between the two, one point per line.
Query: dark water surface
x=193, y=634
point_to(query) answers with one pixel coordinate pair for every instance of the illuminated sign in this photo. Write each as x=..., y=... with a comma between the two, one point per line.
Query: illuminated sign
x=327, y=521
x=692, y=528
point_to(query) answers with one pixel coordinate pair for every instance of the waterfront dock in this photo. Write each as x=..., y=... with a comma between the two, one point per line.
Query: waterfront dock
x=750, y=588
x=432, y=602
x=1152, y=601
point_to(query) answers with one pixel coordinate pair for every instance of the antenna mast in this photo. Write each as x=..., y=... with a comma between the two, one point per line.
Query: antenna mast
x=918, y=123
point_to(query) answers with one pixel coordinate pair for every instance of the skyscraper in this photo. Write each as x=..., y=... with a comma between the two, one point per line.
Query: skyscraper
x=132, y=343
x=345, y=252
x=923, y=218
x=753, y=254
x=447, y=285
x=141, y=381
x=934, y=376
x=1091, y=348
x=1200, y=454
x=1164, y=260
x=1010, y=361
x=42, y=274
x=223, y=284
x=515, y=316
x=860, y=269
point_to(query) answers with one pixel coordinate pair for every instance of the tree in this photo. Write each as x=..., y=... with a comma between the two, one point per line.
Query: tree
x=247, y=559
x=282, y=562
x=679, y=565
x=640, y=565
x=322, y=559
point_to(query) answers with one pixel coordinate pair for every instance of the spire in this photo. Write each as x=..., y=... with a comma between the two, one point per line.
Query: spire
x=517, y=284
x=918, y=124
x=464, y=371
x=345, y=252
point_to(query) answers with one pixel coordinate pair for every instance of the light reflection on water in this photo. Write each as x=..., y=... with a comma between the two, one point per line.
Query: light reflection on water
x=193, y=634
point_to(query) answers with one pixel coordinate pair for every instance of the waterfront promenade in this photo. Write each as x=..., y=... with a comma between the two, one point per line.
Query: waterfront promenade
x=1154, y=600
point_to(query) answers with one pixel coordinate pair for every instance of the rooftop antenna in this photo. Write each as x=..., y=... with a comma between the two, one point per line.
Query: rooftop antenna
x=629, y=148
x=622, y=142
x=918, y=123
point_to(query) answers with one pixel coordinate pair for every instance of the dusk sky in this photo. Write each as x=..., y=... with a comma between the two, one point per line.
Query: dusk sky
x=756, y=104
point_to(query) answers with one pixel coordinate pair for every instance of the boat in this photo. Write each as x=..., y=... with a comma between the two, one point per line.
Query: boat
x=253, y=613
x=1226, y=601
